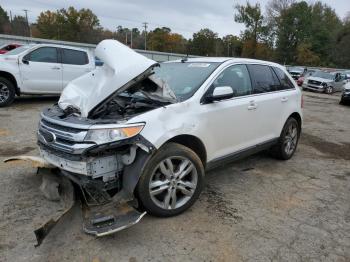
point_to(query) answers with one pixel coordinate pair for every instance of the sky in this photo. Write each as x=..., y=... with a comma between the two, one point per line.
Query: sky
x=182, y=16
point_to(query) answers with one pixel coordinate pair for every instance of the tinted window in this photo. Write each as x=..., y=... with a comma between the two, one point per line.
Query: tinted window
x=43, y=54
x=237, y=77
x=263, y=79
x=74, y=57
x=285, y=81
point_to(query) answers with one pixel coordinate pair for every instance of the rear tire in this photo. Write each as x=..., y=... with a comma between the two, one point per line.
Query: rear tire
x=171, y=182
x=288, y=141
x=7, y=92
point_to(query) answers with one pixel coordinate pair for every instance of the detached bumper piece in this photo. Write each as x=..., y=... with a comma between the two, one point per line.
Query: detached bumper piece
x=102, y=214
x=109, y=218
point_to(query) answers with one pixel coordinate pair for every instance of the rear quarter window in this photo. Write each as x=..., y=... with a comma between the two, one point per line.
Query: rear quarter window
x=284, y=79
x=263, y=79
x=74, y=57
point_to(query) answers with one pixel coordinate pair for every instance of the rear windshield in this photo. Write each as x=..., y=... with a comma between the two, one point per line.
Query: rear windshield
x=185, y=78
x=18, y=50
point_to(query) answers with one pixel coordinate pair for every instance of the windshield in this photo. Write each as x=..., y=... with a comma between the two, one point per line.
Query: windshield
x=184, y=78
x=323, y=75
x=296, y=69
x=18, y=50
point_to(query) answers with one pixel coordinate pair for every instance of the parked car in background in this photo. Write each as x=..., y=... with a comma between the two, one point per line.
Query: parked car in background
x=296, y=71
x=307, y=73
x=347, y=73
x=325, y=82
x=345, y=97
x=8, y=47
x=151, y=130
x=41, y=69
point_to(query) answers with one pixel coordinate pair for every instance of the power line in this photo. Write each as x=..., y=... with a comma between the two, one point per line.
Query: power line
x=30, y=31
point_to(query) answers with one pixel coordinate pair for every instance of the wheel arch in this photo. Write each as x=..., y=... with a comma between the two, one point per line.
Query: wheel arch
x=297, y=117
x=11, y=78
x=192, y=142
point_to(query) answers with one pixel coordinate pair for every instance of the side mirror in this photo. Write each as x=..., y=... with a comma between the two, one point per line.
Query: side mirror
x=220, y=93
x=25, y=61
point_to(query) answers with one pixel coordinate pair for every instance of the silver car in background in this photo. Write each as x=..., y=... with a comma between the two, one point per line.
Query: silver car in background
x=325, y=82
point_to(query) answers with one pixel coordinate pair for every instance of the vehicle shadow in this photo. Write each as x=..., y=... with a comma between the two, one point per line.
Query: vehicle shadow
x=26, y=99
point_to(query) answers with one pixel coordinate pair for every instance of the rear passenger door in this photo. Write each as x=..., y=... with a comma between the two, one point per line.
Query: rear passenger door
x=75, y=63
x=269, y=102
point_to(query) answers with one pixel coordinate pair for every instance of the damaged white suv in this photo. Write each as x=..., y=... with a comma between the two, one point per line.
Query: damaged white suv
x=138, y=133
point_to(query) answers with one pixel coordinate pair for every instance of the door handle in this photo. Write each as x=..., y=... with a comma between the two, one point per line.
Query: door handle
x=252, y=105
x=284, y=99
x=55, y=68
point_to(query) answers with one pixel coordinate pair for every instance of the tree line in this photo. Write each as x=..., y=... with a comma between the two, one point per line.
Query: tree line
x=288, y=32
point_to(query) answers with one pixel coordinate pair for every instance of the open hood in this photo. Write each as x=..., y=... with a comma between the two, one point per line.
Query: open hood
x=121, y=67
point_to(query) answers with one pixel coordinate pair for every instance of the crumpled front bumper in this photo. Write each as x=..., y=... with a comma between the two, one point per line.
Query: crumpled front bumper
x=102, y=214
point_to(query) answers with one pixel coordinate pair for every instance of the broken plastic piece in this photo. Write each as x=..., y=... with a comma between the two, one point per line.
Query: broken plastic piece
x=66, y=194
x=110, y=218
x=34, y=160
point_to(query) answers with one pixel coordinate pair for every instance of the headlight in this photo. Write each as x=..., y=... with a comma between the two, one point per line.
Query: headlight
x=102, y=136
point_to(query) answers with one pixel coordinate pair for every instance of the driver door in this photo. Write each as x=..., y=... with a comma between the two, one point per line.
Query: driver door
x=41, y=71
x=231, y=123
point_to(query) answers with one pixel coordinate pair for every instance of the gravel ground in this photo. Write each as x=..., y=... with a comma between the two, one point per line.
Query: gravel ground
x=258, y=209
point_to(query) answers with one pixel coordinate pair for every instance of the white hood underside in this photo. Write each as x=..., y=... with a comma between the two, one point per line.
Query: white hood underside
x=121, y=65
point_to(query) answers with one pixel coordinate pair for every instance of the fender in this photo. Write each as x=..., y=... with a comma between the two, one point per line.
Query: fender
x=133, y=172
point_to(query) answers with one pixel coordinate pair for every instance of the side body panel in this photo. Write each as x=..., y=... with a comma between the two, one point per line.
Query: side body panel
x=234, y=130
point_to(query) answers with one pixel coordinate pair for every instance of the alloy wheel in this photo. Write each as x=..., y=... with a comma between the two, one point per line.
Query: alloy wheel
x=329, y=90
x=4, y=93
x=173, y=182
x=291, y=139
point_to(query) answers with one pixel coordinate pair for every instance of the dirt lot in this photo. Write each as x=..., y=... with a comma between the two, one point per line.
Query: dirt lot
x=258, y=209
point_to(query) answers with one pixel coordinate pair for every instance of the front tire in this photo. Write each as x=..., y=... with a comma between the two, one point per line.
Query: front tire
x=329, y=90
x=171, y=182
x=288, y=141
x=7, y=92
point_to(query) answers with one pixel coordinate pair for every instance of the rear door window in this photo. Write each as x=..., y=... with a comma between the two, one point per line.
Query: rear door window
x=285, y=81
x=74, y=57
x=263, y=79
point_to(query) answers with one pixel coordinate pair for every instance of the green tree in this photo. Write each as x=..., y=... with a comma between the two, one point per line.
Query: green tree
x=293, y=29
x=204, y=43
x=232, y=46
x=251, y=16
x=5, y=26
x=325, y=24
x=19, y=26
x=341, y=53
x=69, y=24
x=307, y=57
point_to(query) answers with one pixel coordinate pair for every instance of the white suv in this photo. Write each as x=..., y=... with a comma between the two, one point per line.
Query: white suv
x=136, y=129
x=41, y=69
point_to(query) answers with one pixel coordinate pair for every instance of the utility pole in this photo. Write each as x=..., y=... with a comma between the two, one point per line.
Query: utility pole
x=145, y=26
x=131, y=39
x=126, y=36
x=29, y=30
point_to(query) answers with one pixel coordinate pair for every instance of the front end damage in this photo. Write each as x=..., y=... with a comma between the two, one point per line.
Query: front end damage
x=102, y=177
x=105, y=174
x=88, y=142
